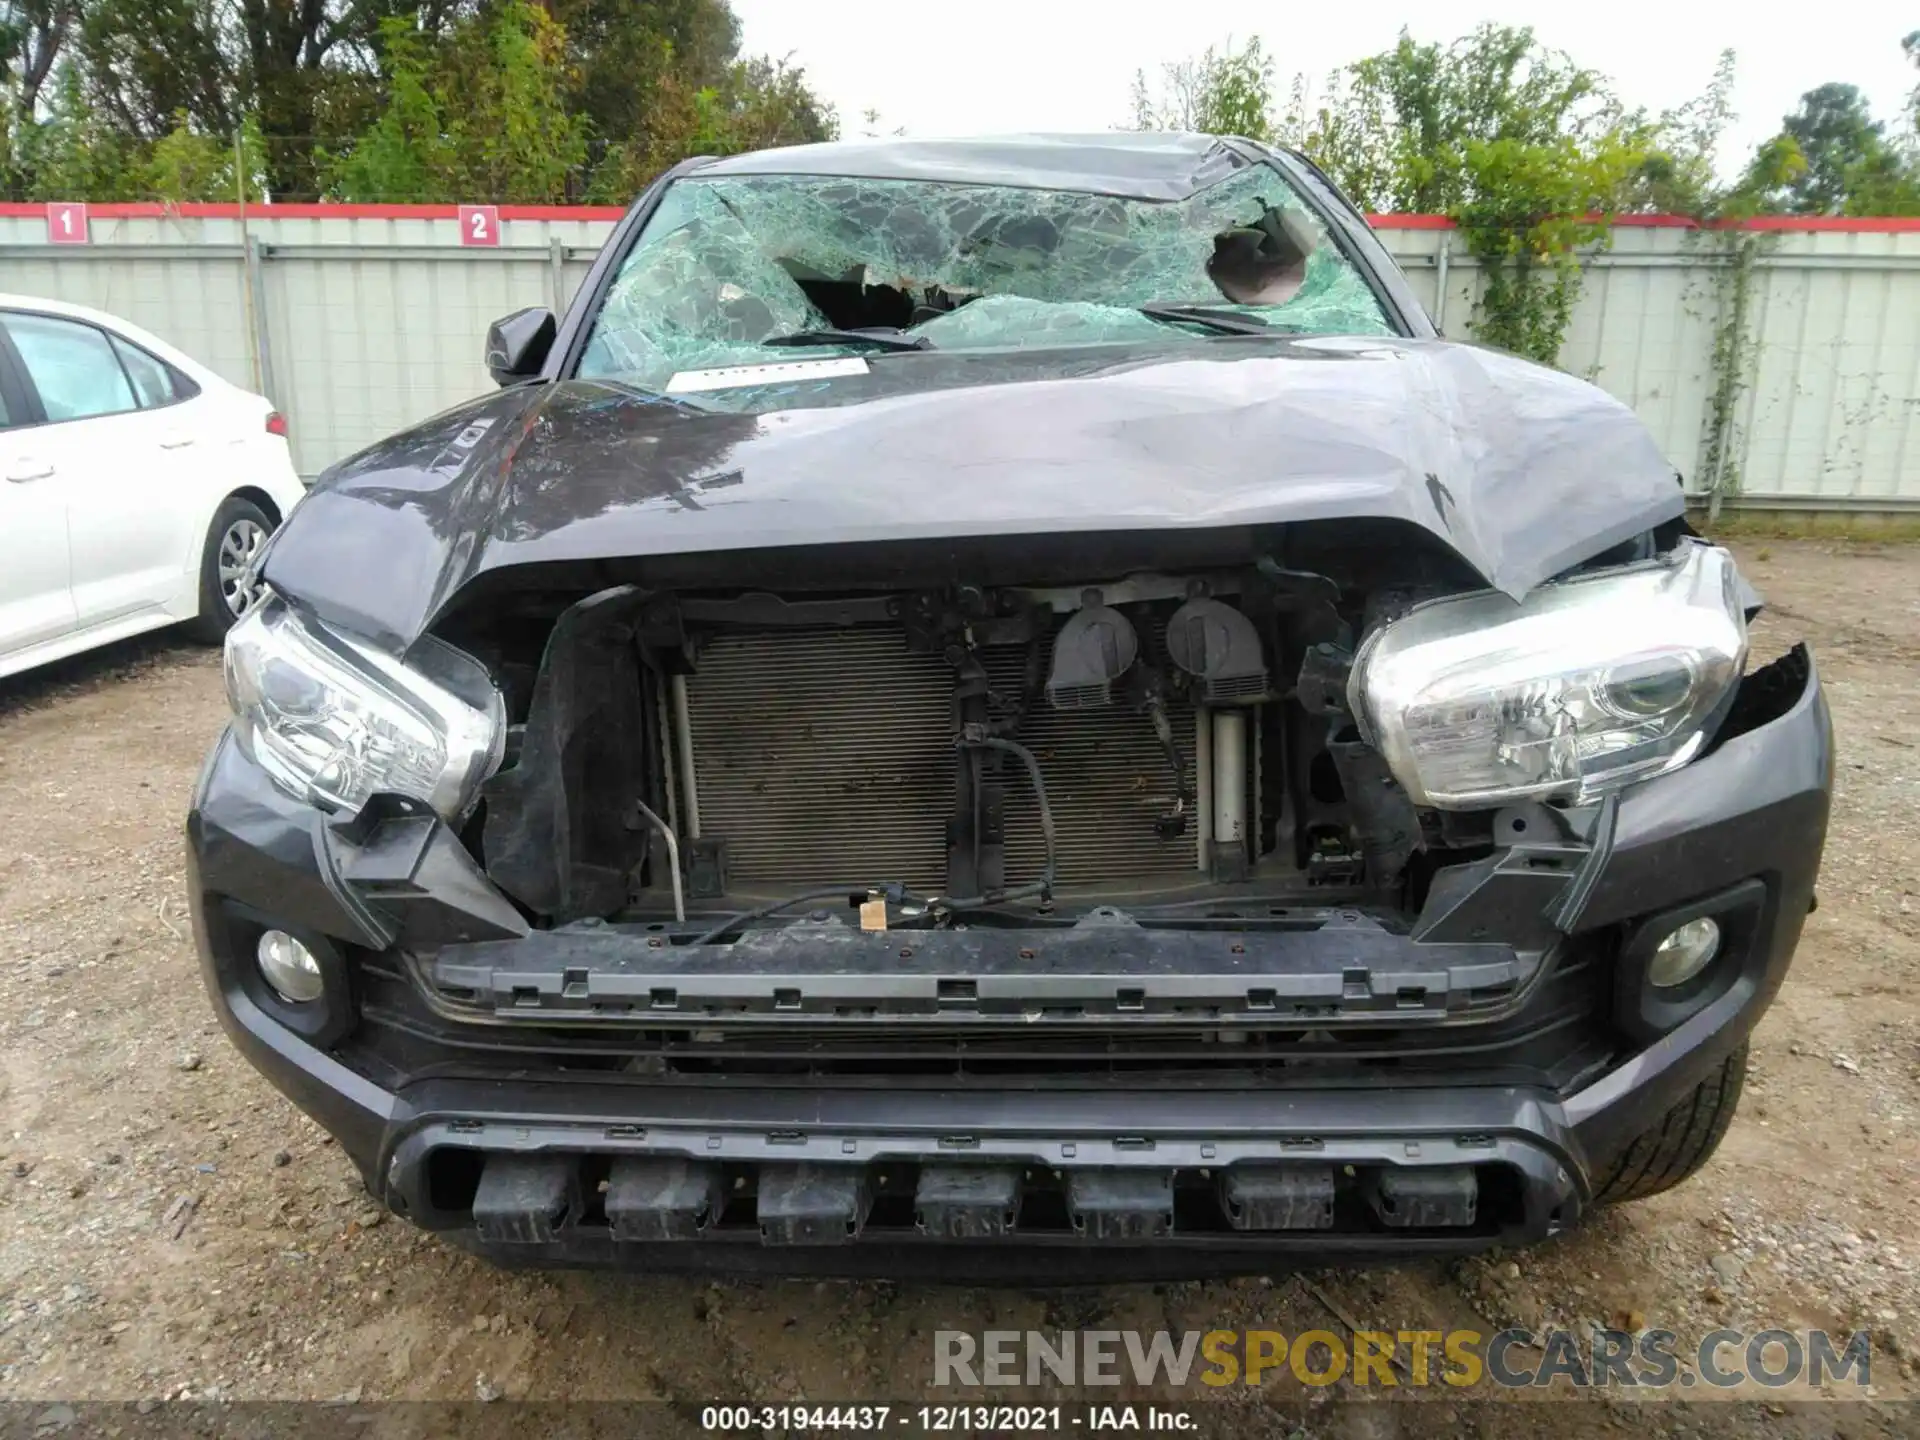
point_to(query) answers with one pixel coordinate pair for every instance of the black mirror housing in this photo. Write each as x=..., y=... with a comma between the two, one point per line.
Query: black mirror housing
x=517, y=344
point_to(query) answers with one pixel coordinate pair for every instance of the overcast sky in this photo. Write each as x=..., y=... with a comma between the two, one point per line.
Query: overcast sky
x=961, y=67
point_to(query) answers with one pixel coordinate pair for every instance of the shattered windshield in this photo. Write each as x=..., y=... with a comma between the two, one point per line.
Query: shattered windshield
x=748, y=270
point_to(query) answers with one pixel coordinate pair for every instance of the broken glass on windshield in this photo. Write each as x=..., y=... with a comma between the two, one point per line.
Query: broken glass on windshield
x=729, y=264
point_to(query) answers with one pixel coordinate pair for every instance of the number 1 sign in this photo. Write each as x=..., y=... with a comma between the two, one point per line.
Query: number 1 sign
x=66, y=223
x=479, y=225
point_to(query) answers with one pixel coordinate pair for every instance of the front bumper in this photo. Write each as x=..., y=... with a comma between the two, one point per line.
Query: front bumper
x=1741, y=827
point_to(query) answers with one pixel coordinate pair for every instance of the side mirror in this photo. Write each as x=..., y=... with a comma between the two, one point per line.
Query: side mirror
x=517, y=344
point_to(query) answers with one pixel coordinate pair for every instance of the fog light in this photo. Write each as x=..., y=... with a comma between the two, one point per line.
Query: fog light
x=1684, y=953
x=289, y=968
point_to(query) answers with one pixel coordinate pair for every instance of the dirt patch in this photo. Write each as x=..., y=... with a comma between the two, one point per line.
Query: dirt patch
x=169, y=1226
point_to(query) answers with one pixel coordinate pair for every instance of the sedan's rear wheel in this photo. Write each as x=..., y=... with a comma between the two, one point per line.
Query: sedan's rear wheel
x=230, y=585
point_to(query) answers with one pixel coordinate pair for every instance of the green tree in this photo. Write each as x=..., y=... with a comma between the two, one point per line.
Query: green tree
x=1849, y=163
x=1410, y=119
x=622, y=53
x=148, y=62
x=72, y=152
x=1349, y=135
x=188, y=164
x=1886, y=182
x=406, y=155
x=1679, y=175
x=1889, y=183
x=1837, y=135
x=482, y=112
x=421, y=99
x=33, y=33
x=1528, y=152
x=757, y=104
x=505, y=98
x=1222, y=92
x=304, y=70
x=1912, y=47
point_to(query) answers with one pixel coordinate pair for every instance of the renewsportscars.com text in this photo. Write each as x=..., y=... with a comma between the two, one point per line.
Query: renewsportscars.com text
x=1461, y=1358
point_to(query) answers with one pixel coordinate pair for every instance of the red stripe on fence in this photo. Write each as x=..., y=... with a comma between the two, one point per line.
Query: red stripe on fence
x=227, y=210
x=1856, y=224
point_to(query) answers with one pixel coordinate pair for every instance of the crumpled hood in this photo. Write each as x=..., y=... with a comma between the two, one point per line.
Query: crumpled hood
x=1521, y=470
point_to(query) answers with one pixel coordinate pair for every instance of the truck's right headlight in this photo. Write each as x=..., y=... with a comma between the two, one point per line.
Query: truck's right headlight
x=1579, y=689
x=335, y=722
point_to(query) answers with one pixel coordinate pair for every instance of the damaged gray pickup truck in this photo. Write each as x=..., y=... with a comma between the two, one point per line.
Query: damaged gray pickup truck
x=1005, y=707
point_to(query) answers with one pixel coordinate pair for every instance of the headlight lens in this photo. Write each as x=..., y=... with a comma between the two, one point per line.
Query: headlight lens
x=1580, y=688
x=335, y=722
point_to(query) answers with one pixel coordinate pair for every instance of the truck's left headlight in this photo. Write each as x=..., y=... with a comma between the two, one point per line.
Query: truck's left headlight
x=335, y=721
x=1582, y=687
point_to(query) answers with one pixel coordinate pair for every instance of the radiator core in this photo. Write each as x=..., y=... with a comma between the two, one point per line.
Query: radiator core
x=826, y=757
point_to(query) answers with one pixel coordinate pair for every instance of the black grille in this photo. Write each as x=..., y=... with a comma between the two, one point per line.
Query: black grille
x=1557, y=1039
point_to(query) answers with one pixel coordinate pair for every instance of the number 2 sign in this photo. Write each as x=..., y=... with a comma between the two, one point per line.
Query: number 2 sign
x=479, y=225
x=66, y=223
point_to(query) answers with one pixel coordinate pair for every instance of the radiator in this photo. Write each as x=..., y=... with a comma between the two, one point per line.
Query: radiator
x=1108, y=780
x=826, y=757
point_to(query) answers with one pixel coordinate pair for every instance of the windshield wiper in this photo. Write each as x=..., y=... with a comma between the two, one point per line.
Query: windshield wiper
x=1225, y=322
x=879, y=339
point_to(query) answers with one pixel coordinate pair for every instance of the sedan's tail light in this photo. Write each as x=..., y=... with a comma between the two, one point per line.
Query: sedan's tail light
x=276, y=424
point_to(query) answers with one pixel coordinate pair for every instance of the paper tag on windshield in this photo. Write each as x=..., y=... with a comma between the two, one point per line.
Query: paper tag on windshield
x=873, y=914
x=734, y=377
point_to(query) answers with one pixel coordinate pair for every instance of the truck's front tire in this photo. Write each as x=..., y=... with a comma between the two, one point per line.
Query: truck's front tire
x=1682, y=1140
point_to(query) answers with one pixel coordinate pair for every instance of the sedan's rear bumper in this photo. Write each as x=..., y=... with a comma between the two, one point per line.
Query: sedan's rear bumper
x=1740, y=828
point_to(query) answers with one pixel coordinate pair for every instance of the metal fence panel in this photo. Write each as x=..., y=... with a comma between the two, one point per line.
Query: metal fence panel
x=360, y=324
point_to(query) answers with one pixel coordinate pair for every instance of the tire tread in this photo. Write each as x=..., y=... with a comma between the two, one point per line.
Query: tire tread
x=1682, y=1140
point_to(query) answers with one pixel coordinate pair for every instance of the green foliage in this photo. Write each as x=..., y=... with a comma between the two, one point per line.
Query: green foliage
x=757, y=104
x=481, y=112
x=1912, y=46
x=1678, y=175
x=1398, y=128
x=623, y=52
x=1688, y=139
x=1532, y=156
x=75, y=152
x=1526, y=151
x=188, y=164
x=1224, y=92
x=492, y=100
x=1837, y=135
x=32, y=36
x=1531, y=207
x=504, y=99
x=1735, y=344
x=406, y=154
x=1886, y=182
x=148, y=63
x=1848, y=162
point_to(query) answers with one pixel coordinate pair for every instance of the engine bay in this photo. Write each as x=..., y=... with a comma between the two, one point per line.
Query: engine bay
x=1148, y=736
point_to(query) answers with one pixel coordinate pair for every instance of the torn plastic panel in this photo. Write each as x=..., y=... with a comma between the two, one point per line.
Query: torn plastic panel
x=727, y=263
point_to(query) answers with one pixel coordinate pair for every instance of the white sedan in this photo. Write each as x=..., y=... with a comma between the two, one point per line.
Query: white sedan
x=136, y=486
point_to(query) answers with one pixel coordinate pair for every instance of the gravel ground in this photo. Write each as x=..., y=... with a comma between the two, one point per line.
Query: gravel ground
x=170, y=1227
